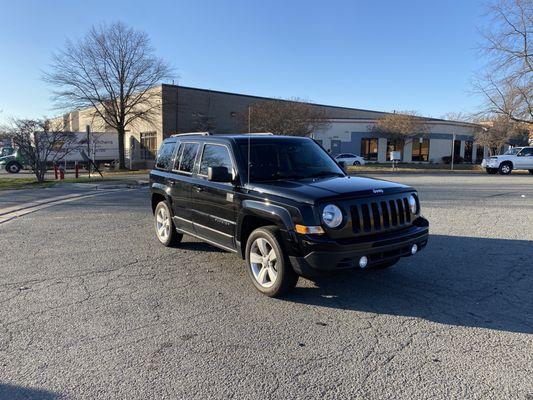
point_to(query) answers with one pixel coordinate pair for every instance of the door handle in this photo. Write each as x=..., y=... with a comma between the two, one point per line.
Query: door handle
x=198, y=189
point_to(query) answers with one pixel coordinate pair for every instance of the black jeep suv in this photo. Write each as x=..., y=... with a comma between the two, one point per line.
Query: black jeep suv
x=283, y=204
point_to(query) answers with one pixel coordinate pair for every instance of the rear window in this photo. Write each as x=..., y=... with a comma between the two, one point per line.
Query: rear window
x=186, y=156
x=164, y=156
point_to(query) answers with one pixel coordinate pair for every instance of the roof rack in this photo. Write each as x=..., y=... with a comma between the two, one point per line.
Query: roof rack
x=259, y=133
x=191, y=134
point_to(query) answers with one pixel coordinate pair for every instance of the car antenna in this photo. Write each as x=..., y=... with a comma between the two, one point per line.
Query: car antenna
x=249, y=140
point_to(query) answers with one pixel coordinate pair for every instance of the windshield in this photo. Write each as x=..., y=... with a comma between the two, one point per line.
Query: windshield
x=512, y=152
x=6, y=151
x=278, y=159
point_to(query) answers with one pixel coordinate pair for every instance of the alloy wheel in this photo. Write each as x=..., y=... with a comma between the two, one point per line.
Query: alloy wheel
x=162, y=224
x=263, y=262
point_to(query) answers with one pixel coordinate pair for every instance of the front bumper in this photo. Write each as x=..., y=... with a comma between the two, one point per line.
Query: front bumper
x=487, y=163
x=324, y=255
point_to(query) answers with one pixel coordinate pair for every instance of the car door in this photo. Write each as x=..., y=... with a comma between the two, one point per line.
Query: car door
x=341, y=157
x=350, y=159
x=525, y=158
x=213, y=207
x=180, y=183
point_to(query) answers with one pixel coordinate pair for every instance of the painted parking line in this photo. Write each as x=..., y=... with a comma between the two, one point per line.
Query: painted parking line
x=10, y=213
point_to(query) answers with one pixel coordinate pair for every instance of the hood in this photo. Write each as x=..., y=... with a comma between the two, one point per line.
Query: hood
x=501, y=157
x=7, y=158
x=312, y=190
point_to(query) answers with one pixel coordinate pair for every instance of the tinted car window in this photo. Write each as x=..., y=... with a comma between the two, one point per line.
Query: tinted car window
x=527, y=152
x=215, y=156
x=164, y=156
x=278, y=159
x=187, y=155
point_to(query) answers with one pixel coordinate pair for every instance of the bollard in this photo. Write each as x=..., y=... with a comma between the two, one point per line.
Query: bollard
x=55, y=171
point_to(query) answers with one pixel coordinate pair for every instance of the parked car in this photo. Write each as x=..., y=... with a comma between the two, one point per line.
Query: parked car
x=515, y=158
x=283, y=204
x=350, y=159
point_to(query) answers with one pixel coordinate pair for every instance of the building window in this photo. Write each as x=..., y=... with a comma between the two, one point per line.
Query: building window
x=148, y=145
x=480, y=153
x=420, y=150
x=369, y=149
x=469, y=148
x=394, y=145
x=456, y=149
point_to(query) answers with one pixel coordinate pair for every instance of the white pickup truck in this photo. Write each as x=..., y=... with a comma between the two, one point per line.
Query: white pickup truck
x=515, y=158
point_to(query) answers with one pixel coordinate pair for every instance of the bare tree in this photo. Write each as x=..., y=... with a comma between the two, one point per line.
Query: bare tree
x=507, y=81
x=499, y=132
x=112, y=70
x=284, y=117
x=41, y=143
x=401, y=128
x=457, y=116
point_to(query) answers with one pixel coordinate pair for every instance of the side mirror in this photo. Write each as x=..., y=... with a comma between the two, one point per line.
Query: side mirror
x=218, y=174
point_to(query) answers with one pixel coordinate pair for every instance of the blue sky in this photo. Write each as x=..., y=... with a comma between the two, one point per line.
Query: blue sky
x=383, y=55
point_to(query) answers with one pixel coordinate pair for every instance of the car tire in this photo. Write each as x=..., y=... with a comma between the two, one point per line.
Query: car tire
x=268, y=266
x=165, y=230
x=505, y=168
x=13, y=167
x=386, y=264
x=530, y=171
x=492, y=171
x=356, y=163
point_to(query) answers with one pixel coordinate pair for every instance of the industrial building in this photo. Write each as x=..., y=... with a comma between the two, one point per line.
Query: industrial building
x=187, y=109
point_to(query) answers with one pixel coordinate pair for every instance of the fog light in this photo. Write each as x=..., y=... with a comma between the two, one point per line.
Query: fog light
x=414, y=249
x=363, y=262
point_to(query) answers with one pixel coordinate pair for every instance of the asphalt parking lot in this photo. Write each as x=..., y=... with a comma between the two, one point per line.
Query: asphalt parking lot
x=92, y=307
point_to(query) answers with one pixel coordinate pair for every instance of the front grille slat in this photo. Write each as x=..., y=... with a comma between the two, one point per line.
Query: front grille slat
x=367, y=224
x=407, y=211
x=385, y=214
x=394, y=213
x=356, y=219
x=376, y=216
x=380, y=214
x=401, y=214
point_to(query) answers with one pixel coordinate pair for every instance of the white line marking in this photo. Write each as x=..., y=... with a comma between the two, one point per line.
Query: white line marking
x=50, y=202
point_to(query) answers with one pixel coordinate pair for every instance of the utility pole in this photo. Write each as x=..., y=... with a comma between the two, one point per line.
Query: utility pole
x=249, y=120
x=453, y=150
x=88, y=131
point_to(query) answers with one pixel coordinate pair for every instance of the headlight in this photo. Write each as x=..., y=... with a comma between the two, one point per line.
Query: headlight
x=413, y=206
x=332, y=216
